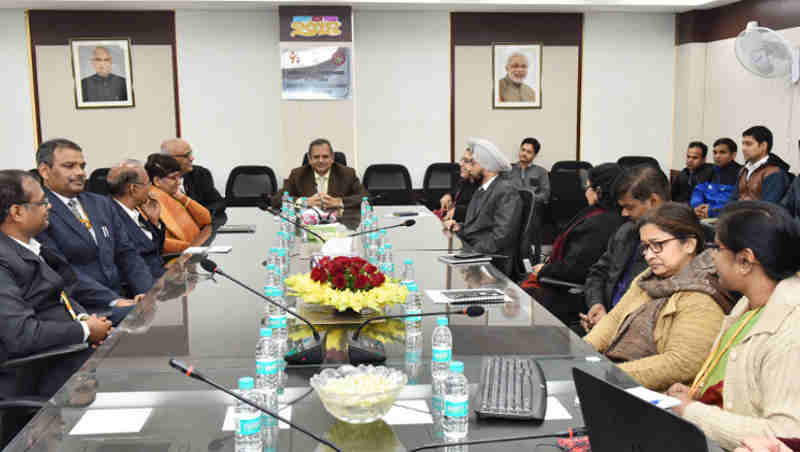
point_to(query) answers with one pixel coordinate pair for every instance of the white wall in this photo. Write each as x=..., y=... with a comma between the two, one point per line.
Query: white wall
x=628, y=86
x=229, y=87
x=690, y=89
x=16, y=110
x=403, y=89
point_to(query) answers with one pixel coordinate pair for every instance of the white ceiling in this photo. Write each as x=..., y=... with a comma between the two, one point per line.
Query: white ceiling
x=452, y=5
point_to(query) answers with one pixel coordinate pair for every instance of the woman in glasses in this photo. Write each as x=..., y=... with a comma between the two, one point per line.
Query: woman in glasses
x=187, y=221
x=747, y=386
x=663, y=327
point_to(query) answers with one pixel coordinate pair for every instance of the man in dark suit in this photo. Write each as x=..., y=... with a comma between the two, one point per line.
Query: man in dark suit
x=493, y=220
x=103, y=86
x=198, y=183
x=325, y=183
x=37, y=309
x=129, y=186
x=697, y=171
x=87, y=231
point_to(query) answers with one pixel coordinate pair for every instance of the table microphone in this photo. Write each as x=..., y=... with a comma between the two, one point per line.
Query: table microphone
x=263, y=205
x=568, y=434
x=189, y=371
x=305, y=351
x=367, y=350
x=407, y=223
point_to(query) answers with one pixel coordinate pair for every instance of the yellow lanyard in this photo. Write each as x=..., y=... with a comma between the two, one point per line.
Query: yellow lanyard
x=714, y=357
x=66, y=302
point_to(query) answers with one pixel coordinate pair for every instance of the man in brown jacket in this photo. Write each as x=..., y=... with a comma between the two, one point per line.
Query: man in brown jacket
x=764, y=176
x=325, y=183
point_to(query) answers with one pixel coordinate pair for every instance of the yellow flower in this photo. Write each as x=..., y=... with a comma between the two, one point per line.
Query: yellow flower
x=377, y=298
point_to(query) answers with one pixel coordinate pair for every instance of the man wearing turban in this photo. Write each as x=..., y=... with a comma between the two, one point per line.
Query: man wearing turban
x=494, y=216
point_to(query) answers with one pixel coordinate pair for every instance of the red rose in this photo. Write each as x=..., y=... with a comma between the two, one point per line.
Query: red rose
x=359, y=260
x=341, y=260
x=324, y=261
x=316, y=274
x=337, y=268
x=361, y=281
x=370, y=268
x=357, y=264
x=377, y=279
x=339, y=281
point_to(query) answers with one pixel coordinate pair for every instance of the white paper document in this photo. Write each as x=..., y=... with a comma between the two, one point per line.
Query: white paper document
x=409, y=412
x=228, y=424
x=100, y=422
x=338, y=246
x=656, y=398
x=208, y=250
x=556, y=411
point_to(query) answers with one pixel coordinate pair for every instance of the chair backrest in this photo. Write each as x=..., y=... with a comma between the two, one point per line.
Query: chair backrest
x=98, y=182
x=338, y=157
x=440, y=178
x=629, y=161
x=570, y=165
x=527, y=226
x=389, y=184
x=247, y=185
x=567, y=195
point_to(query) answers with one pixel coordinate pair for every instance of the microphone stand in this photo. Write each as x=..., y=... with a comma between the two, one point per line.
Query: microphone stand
x=580, y=432
x=263, y=206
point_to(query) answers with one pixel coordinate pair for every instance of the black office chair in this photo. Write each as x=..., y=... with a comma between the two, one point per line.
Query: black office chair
x=440, y=178
x=389, y=184
x=567, y=191
x=338, y=157
x=98, y=182
x=629, y=161
x=248, y=184
x=527, y=231
x=17, y=410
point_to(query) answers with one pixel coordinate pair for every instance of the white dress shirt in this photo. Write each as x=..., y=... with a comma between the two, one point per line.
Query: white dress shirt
x=35, y=247
x=135, y=216
x=322, y=181
x=66, y=201
x=488, y=183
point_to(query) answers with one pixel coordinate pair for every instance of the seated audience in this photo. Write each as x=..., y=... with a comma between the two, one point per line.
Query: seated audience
x=697, y=171
x=525, y=173
x=86, y=231
x=710, y=197
x=326, y=184
x=764, y=176
x=581, y=243
x=748, y=385
x=198, y=183
x=129, y=186
x=453, y=206
x=639, y=190
x=187, y=222
x=493, y=218
x=37, y=308
x=663, y=327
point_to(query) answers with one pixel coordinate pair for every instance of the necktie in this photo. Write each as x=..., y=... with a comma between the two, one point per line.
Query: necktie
x=73, y=207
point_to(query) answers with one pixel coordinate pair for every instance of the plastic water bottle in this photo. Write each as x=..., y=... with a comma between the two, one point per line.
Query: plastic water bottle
x=456, y=402
x=380, y=258
x=267, y=364
x=413, y=306
x=388, y=263
x=303, y=206
x=280, y=334
x=248, y=419
x=285, y=200
x=381, y=238
x=414, y=362
x=442, y=342
x=407, y=274
x=366, y=225
x=372, y=252
x=292, y=215
x=283, y=258
x=365, y=208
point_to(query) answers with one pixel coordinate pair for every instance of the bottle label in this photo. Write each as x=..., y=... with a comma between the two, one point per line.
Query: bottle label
x=267, y=367
x=436, y=404
x=249, y=427
x=441, y=354
x=277, y=321
x=268, y=421
x=456, y=406
x=415, y=318
x=413, y=356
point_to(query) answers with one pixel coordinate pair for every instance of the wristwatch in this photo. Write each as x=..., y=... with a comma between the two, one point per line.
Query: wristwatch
x=83, y=317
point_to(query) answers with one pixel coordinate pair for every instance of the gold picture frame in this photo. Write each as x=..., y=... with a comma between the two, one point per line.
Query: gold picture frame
x=516, y=75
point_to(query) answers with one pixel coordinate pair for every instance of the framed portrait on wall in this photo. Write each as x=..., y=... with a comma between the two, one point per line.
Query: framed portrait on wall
x=517, y=75
x=101, y=69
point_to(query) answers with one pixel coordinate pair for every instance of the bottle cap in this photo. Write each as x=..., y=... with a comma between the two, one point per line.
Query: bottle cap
x=441, y=321
x=282, y=252
x=457, y=366
x=271, y=267
x=408, y=262
x=363, y=198
x=246, y=383
x=266, y=332
x=412, y=287
x=388, y=246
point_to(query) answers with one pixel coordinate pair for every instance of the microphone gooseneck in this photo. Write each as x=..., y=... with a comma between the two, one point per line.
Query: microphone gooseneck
x=572, y=432
x=472, y=311
x=190, y=372
x=407, y=223
x=265, y=207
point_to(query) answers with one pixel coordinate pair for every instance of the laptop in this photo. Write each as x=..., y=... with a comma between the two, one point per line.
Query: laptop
x=621, y=422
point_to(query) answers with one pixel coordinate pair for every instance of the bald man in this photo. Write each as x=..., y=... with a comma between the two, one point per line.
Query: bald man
x=512, y=86
x=103, y=86
x=198, y=183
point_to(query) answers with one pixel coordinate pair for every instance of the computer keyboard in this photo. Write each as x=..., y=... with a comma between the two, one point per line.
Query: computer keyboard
x=512, y=387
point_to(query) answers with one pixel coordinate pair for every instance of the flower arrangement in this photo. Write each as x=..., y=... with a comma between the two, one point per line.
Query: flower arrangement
x=346, y=283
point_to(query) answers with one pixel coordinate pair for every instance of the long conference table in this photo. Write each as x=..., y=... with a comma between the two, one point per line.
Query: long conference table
x=127, y=398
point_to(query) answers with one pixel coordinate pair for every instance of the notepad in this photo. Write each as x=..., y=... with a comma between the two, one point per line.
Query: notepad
x=467, y=296
x=101, y=422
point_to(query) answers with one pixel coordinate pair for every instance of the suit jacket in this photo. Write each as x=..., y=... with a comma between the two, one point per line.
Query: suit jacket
x=198, y=184
x=493, y=222
x=149, y=249
x=100, y=89
x=101, y=266
x=535, y=177
x=684, y=186
x=342, y=183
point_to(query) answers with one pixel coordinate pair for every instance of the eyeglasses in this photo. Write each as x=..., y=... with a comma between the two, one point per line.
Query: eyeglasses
x=43, y=203
x=183, y=156
x=656, y=246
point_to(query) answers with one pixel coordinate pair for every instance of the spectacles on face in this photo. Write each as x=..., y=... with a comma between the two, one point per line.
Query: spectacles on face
x=43, y=203
x=183, y=156
x=174, y=176
x=656, y=246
